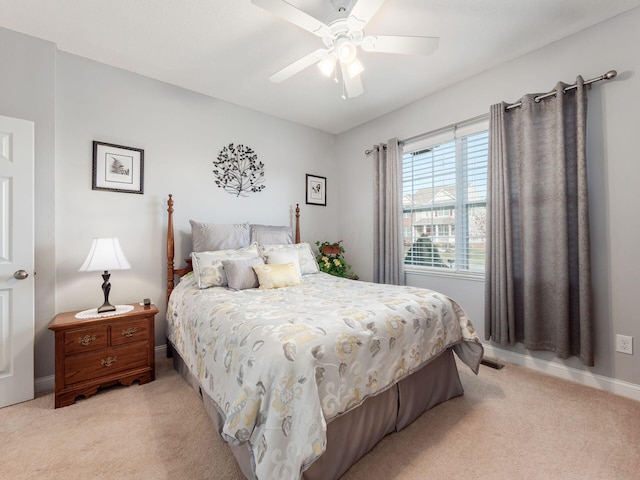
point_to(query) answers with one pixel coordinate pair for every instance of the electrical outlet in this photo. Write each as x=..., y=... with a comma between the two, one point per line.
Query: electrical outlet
x=624, y=344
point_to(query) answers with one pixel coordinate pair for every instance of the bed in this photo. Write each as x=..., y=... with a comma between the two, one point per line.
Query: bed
x=302, y=380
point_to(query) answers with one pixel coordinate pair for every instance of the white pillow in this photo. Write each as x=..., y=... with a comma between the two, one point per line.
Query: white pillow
x=306, y=258
x=284, y=256
x=209, y=270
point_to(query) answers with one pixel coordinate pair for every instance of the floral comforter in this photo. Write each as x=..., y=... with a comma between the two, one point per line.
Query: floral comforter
x=281, y=363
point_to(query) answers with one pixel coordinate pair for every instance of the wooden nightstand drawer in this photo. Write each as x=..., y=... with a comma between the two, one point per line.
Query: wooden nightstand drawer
x=86, y=339
x=129, y=332
x=91, y=366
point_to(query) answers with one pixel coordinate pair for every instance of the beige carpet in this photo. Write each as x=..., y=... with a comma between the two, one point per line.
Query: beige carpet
x=510, y=424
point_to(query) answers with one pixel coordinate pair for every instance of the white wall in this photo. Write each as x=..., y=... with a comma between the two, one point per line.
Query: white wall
x=181, y=133
x=614, y=170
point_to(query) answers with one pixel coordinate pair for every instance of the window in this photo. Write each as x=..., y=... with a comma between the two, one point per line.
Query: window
x=444, y=198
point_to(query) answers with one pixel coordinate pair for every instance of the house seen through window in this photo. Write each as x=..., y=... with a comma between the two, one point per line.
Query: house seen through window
x=444, y=199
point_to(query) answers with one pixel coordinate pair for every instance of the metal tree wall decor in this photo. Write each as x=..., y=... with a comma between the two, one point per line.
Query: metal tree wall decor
x=238, y=171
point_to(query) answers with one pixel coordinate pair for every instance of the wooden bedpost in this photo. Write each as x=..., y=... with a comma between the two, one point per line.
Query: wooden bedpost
x=172, y=271
x=297, y=223
x=170, y=247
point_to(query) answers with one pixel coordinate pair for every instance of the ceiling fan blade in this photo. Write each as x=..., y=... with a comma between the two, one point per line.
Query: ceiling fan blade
x=298, y=66
x=400, y=44
x=353, y=86
x=293, y=15
x=362, y=12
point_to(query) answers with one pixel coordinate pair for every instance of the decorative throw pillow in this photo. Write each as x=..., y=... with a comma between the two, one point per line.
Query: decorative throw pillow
x=270, y=235
x=277, y=275
x=208, y=268
x=240, y=274
x=306, y=258
x=284, y=256
x=209, y=237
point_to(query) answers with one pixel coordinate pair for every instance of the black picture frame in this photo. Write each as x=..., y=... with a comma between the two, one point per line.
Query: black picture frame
x=117, y=168
x=316, y=190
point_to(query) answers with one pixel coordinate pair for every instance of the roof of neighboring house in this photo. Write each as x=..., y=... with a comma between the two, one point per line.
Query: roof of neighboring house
x=430, y=197
x=447, y=220
x=444, y=196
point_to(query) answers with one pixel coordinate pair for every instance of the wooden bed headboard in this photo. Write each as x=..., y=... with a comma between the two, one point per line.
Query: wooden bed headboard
x=172, y=271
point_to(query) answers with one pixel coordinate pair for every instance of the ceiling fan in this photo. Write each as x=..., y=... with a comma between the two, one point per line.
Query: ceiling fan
x=341, y=40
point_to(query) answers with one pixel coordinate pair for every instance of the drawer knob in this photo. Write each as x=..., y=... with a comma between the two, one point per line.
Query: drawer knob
x=129, y=332
x=86, y=340
x=107, y=362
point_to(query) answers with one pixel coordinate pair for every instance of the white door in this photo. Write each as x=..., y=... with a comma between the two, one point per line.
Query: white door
x=16, y=261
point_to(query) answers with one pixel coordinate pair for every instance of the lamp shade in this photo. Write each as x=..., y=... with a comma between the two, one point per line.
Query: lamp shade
x=105, y=254
x=346, y=50
x=355, y=68
x=327, y=65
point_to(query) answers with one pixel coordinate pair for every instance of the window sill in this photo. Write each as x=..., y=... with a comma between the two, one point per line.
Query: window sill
x=432, y=272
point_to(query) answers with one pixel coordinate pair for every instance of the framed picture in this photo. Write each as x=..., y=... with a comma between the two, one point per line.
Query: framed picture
x=316, y=190
x=117, y=168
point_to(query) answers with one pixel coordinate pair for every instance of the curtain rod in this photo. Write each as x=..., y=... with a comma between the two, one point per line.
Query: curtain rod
x=437, y=130
x=607, y=76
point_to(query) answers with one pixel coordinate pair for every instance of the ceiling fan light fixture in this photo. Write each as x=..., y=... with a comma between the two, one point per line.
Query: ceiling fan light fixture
x=327, y=65
x=346, y=50
x=355, y=68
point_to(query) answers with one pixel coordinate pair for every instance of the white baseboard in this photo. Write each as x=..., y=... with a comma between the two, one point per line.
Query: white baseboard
x=583, y=377
x=161, y=351
x=47, y=384
x=44, y=384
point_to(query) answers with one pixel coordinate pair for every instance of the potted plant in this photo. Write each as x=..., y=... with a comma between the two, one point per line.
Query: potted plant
x=331, y=261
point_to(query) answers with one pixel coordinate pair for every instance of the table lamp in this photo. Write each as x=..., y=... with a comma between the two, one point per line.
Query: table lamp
x=105, y=254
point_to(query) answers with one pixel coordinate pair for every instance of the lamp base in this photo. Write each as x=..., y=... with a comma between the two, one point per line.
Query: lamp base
x=106, y=288
x=106, y=307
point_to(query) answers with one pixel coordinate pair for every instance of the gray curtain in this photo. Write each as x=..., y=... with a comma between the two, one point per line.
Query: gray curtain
x=538, y=268
x=388, y=251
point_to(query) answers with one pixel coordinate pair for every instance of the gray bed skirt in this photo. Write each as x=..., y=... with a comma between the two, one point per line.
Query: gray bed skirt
x=352, y=435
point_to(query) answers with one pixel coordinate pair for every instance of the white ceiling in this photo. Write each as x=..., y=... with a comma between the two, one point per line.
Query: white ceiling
x=228, y=48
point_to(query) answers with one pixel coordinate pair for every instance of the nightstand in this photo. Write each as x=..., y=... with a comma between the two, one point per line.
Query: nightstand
x=98, y=352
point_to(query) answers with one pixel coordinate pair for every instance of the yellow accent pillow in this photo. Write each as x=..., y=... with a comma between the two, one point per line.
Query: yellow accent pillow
x=277, y=275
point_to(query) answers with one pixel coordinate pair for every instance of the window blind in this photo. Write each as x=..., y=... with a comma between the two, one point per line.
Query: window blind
x=444, y=191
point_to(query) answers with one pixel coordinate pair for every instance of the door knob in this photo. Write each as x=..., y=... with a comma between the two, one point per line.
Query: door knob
x=20, y=274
